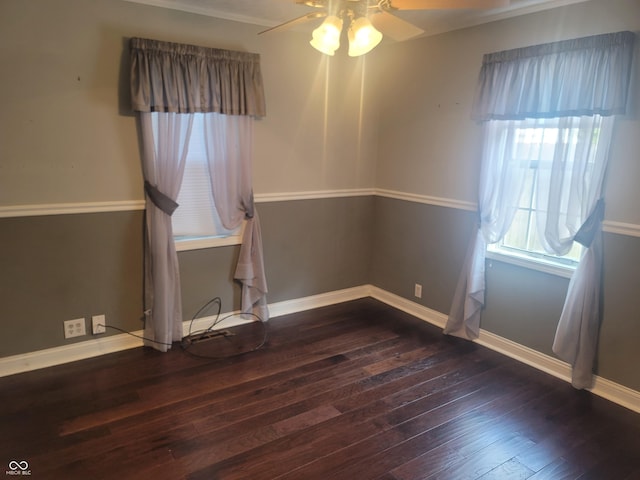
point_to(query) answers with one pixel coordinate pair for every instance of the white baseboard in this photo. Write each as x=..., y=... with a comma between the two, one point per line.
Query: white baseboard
x=412, y=308
x=115, y=343
x=316, y=301
x=612, y=391
x=67, y=353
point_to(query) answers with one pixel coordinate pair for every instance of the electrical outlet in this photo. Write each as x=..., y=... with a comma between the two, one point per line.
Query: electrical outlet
x=417, y=292
x=98, y=324
x=74, y=328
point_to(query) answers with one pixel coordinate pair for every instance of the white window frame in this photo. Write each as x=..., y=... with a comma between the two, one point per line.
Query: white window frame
x=522, y=260
x=547, y=263
x=195, y=242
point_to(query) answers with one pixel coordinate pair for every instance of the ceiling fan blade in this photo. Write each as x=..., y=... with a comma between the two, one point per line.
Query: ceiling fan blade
x=447, y=4
x=394, y=27
x=312, y=3
x=295, y=21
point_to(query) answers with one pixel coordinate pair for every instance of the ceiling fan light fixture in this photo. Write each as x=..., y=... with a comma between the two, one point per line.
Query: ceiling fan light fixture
x=326, y=38
x=363, y=37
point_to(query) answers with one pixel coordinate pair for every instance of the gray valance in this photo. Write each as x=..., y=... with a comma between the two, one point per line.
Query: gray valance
x=172, y=77
x=584, y=76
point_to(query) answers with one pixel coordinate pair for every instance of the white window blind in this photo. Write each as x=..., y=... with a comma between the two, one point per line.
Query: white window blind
x=196, y=216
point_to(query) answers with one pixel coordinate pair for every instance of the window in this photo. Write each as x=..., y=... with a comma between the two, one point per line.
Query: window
x=196, y=223
x=534, y=143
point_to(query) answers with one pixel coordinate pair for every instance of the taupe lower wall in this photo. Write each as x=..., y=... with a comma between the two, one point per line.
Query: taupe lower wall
x=208, y=273
x=385, y=121
x=430, y=147
x=61, y=267
x=310, y=247
x=417, y=243
x=316, y=246
x=523, y=305
x=619, y=352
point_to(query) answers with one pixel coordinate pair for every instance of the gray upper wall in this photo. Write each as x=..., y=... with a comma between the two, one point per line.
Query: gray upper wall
x=395, y=119
x=67, y=134
x=429, y=145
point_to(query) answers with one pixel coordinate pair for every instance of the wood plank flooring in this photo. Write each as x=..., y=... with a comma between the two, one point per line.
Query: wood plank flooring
x=352, y=391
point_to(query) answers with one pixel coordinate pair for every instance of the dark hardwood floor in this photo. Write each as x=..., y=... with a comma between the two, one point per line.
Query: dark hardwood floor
x=353, y=391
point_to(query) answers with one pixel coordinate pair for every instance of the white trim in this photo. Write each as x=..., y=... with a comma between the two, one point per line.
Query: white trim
x=316, y=301
x=185, y=245
x=538, y=264
x=533, y=358
x=205, y=11
x=609, y=226
x=621, y=228
x=428, y=200
x=198, y=325
x=313, y=195
x=117, y=206
x=115, y=343
x=69, y=208
x=412, y=308
x=525, y=7
x=67, y=353
x=604, y=388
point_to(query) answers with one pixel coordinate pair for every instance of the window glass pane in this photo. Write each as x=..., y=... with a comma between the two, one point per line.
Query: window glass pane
x=528, y=190
x=196, y=215
x=517, y=236
x=535, y=144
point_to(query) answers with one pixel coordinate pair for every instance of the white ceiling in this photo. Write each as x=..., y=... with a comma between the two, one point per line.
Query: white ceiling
x=270, y=13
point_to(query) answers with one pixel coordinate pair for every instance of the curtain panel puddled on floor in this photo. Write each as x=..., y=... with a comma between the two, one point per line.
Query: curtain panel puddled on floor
x=169, y=84
x=582, y=83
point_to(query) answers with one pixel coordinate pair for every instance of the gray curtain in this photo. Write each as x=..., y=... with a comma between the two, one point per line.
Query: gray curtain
x=567, y=80
x=229, y=158
x=584, y=76
x=163, y=160
x=172, y=77
x=169, y=84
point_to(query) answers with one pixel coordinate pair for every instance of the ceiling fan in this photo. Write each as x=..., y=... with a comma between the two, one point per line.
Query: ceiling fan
x=368, y=20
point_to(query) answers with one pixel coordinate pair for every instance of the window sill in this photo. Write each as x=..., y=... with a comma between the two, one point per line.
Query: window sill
x=526, y=262
x=198, y=243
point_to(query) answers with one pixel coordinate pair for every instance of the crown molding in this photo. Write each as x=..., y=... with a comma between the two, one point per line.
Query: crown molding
x=208, y=11
x=517, y=8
